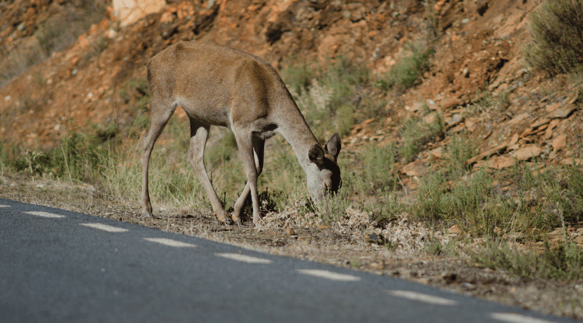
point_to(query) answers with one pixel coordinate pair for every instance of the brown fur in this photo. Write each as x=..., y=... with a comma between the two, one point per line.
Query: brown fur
x=220, y=86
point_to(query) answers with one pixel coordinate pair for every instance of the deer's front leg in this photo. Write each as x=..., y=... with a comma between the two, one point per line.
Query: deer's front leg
x=198, y=137
x=244, y=142
x=161, y=112
x=258, y=148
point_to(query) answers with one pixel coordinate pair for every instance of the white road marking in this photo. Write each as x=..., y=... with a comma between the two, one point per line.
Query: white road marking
x=104, y=227
x=45, y=214
x=170, y=242
x=244, y=258
x=327, y=274
x=517, y=318
x=425, y=298
x=2, y=205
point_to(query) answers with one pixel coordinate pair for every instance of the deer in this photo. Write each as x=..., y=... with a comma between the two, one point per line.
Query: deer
x=221, y=86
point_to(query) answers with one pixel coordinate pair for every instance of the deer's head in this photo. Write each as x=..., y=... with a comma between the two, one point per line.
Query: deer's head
x=324, y=175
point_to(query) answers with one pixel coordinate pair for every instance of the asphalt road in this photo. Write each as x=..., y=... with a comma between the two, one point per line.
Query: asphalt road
x=61, y=266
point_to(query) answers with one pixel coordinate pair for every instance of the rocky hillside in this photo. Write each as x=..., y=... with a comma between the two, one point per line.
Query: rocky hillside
x=477, y=50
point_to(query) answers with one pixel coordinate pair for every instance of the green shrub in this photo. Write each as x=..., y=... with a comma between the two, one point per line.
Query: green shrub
x=416, y=133
x=564, y=261
x=408, y=70
x=556, y=44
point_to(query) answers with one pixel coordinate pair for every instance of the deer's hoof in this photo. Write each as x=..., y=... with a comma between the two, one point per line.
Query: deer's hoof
x=223, y=218
x=237, y=220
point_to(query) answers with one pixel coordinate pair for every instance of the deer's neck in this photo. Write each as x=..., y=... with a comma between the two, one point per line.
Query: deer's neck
x=294, y=128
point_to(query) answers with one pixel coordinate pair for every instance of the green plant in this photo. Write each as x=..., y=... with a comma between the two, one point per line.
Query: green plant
x=460, y=149
x=556, y=44
x=416, y=133
x=564, y=261
x=407, y=71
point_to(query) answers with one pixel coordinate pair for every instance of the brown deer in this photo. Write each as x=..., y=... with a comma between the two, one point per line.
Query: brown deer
x=220, y=86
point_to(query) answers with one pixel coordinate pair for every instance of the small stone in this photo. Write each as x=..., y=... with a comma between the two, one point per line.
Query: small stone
x=559, y=143
x=563, y=112
x=501, y=162
x=457, y=118
x=290, y=231
x=374, y=238
x=553, y=107
x=527, y=152
x=7, y=98
x=455, y=230
x=416, y=168
x=430, y=118
x=437, y=153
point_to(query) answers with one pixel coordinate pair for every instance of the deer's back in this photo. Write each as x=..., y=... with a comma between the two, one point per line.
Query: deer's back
x=215, y=84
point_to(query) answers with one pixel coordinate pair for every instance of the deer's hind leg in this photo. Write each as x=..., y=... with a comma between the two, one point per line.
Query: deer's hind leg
x=161, y=113
x=198, y=136
x=258, y=149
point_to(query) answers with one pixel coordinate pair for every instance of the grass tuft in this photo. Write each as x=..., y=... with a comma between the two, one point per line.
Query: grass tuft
x=556, y=44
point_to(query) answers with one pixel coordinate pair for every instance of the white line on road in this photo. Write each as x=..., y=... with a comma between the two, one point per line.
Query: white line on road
x=517, y=318
x=104, y=227
x=2, y=205
x=244, y=258
x=45, y=214
x=425, y=298
x=327, y=274
x=170, y=242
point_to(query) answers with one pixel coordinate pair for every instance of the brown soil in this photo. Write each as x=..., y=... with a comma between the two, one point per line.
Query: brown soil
x=478, y=49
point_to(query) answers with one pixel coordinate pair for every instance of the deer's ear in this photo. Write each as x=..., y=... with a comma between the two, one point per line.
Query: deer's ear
x=316, y=155
x=333, y=145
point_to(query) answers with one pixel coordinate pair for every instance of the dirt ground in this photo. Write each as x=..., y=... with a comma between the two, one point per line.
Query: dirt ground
x=333, y=245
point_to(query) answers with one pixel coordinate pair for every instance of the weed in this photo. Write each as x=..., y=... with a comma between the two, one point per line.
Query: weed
x=298, y=78
x=460, y=149
x=416, y=133
x=433, y=247
x=56, y=34
x=407, y=71
x=556, y=45
x=564, y=261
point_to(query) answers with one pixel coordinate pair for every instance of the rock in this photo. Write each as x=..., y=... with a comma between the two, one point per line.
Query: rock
x=563, y=112
x=559, y=143
x=437, y=153
x=487, y=153
x=553, y=107
x=457, y=118
x=430, y=118
x=527, y=152
x=455, y=230
x=374, y=238
x=540, y=122
x=501, y=162
x=416, y=168
x=290, y=231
